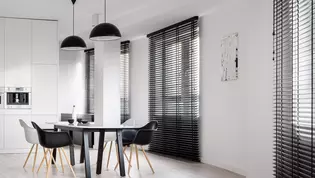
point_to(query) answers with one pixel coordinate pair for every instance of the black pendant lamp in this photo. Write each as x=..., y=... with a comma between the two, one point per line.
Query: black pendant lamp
x=73, y=43
x=105, y=31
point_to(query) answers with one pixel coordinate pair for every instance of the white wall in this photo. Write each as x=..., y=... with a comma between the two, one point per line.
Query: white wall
x=107, y=83
x=260, y=90
x=139, y=83
x=236, y=116
x=223, y=104
x=72, y=81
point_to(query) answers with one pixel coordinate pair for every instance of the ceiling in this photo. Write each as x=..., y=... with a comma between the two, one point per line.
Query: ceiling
x=133, y=17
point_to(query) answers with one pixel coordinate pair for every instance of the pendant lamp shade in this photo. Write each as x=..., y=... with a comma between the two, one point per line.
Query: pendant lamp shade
x=73, y=43
x=105, y=31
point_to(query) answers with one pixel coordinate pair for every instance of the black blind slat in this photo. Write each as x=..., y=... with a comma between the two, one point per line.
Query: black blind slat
x=294, y=89
x=174, y=89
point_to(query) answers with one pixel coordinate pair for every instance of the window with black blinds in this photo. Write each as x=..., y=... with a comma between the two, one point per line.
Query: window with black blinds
x=174, y=89
x=90, y=62
x=294, y=88
x=124, y=80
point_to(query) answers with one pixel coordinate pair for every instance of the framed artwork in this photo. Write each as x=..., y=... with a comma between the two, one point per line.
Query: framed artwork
x=229, y=57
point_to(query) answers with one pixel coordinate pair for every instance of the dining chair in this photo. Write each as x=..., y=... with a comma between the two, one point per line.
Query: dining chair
x=51, y=141
x=143, y=137
x=110, y=137
x=31, y=137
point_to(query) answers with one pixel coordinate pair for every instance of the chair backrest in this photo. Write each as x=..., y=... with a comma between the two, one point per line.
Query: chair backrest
x=153, y=125
x=129, y=122
x=31, y=135
x=145, y=134
x=52, y=139
x=110, y=136
x=40, y=132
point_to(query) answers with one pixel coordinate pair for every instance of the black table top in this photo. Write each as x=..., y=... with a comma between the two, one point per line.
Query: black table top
x=91, y=127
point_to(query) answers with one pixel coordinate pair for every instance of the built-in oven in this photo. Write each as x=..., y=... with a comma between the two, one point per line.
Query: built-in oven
x=18, y=97
x=2, y=93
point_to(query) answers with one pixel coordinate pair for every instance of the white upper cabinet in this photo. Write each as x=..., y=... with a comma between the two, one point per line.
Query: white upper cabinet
x=45, y=89
x=45, y=44
x=18, y=53
x=2, y=38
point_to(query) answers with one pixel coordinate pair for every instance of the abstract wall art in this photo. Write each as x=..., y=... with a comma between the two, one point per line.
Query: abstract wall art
x=230, y=57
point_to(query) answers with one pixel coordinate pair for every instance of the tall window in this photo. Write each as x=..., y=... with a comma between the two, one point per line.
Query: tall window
x=294, y=88
x=90, y=62
x=174, y=89
x=124, y=80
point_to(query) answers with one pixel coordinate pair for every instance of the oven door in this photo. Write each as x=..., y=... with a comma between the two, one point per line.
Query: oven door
x=18, y=100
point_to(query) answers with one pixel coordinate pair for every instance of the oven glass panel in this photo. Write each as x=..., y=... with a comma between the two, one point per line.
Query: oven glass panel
x=16, y=98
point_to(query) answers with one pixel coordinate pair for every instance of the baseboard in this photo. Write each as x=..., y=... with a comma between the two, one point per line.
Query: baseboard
x=226, y=167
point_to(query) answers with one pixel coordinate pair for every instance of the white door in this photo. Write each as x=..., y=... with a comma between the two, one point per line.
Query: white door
x=13, y=133
x=45, y=45
x=18, y=53
x=45, y=89
x=2, y=38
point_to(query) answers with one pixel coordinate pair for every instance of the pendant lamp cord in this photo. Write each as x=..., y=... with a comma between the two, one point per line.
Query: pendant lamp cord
x=105, y=11
x=73, y=20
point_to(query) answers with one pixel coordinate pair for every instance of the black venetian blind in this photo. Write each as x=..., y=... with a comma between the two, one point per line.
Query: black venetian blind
x=174, y=89
x=90, y=62
x=294, y=88
x=124, y=80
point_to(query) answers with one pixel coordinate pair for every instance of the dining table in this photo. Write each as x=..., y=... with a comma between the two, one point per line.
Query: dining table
x=85, y=129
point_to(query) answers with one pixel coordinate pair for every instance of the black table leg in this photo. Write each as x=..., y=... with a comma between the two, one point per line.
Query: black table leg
x=120, y=153
x=54, y=150
x=71, y=150
x=82, y=151
x=100, y=153
x=87, y=155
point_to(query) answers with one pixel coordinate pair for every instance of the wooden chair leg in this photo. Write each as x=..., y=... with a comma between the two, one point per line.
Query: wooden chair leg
x=35, y=157
x=53, y=159
x=137, y=156
x=105, y=146
x=44, y=158
x=103, y=149
x=146, y=157
x=28, y=156
x=130, y=160
x=110, y=150
x=61, y=161
x=49, y=164
x=118, y=157
x=68, y=162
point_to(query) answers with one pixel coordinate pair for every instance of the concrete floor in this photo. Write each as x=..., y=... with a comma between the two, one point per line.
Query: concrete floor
x=11, y=166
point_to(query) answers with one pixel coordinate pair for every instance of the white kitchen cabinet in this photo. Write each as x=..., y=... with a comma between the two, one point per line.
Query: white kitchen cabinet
x=45, y=44
x=18, y=52
x=2, y=38
x=14, y=137
x=1, y=131
x=44, y=89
